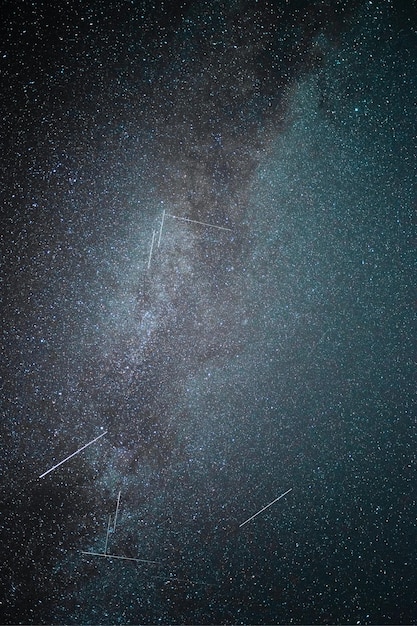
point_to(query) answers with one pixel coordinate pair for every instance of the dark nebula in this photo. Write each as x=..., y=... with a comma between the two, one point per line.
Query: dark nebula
x=207, y=254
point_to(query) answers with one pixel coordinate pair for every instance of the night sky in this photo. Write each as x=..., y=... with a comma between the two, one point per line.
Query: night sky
x=264, y=343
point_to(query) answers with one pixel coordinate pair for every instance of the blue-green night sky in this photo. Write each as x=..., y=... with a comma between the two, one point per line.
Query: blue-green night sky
x=208, y=258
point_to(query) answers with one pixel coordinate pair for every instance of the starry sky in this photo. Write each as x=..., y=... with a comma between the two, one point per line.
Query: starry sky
x=208, y=257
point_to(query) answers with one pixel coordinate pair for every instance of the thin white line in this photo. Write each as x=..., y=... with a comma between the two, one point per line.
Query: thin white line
x=107, y=535
x=160, y=230
x=186, y=219
x=166, y=578
x=326, y=332
x=117, y=510
x=150, y=251
x=265, y=507
x=73, y=454
x=184, y=580
x=122, y=558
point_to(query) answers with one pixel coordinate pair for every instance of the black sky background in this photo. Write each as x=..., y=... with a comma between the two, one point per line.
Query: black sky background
x=240, y=363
